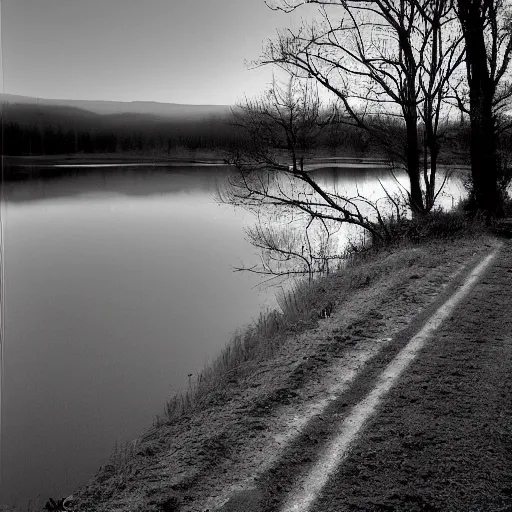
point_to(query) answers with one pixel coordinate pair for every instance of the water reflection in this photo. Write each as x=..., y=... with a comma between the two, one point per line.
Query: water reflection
x=147, y=181
x=336, y=176
x=377, y=183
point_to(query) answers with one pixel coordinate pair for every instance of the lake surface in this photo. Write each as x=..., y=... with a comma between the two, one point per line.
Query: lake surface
x=118, y=285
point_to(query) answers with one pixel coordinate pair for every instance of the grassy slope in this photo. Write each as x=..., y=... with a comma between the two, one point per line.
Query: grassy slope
x=224, y=427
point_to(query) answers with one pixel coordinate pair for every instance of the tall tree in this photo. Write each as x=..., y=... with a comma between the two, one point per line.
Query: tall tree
x=487, y=30
x=283, y=127
x=382, y=59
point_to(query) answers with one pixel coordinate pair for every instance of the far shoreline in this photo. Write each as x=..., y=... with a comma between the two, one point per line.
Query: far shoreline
x=25, y=163
x=109, y=158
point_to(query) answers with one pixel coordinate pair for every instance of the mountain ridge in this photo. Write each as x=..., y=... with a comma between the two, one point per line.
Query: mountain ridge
x=105, y=107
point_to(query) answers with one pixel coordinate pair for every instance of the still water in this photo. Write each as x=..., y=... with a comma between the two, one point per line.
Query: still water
x=118, y=285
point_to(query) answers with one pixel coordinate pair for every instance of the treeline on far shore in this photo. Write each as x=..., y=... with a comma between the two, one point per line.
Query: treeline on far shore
x=51, y=130
x=146, y=134
x=28, y=131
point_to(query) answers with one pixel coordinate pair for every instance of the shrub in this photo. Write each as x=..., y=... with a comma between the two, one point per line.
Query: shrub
x=436, y=224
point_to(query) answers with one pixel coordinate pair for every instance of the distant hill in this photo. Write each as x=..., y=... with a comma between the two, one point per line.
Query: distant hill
x=173, y=111
x=39, y=115
x=34, y=126
x=35, y=114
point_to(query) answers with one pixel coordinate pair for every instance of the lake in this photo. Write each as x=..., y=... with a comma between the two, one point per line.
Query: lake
x=118, y=284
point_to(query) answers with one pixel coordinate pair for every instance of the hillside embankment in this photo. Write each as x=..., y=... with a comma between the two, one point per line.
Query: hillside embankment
x=256, y=432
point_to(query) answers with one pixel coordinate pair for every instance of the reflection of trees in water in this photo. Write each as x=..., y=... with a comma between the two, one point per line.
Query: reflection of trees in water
x=293, y=243
x=340, y=176
x=372, y=182
x=316, y=248
x=143, y=181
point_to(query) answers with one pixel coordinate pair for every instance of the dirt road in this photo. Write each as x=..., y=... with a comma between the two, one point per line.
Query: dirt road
x=441, y=439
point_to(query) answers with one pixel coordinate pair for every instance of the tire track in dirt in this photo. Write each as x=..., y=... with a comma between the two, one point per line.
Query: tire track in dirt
x=272, y=487
x=341, y=348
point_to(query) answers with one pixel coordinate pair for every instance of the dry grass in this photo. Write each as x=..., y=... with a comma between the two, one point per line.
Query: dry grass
x=122, y=453
x=301, y=304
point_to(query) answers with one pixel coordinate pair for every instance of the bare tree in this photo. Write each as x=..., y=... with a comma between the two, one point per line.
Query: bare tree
x=297, y=217
x=487, y=30
x=441, y=54
x=287, y=250
x=382, y=59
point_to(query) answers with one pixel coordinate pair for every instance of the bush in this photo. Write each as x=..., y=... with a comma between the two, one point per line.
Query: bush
x=436, y=224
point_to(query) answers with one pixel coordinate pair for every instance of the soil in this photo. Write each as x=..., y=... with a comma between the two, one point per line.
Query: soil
x=440, y=441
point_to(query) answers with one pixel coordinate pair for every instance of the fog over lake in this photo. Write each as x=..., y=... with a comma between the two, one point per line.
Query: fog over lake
x=118, y=285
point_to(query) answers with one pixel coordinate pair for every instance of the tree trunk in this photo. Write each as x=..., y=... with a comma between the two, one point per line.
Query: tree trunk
x=430, y=182
x=484, y=162
x=483, y=158
x=431, y=147
x=413, y=164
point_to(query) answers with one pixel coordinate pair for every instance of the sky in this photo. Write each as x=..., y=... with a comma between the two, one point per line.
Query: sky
x=175, y=51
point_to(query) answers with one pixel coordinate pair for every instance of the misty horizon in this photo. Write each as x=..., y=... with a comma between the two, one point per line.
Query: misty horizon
x=16, y=98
